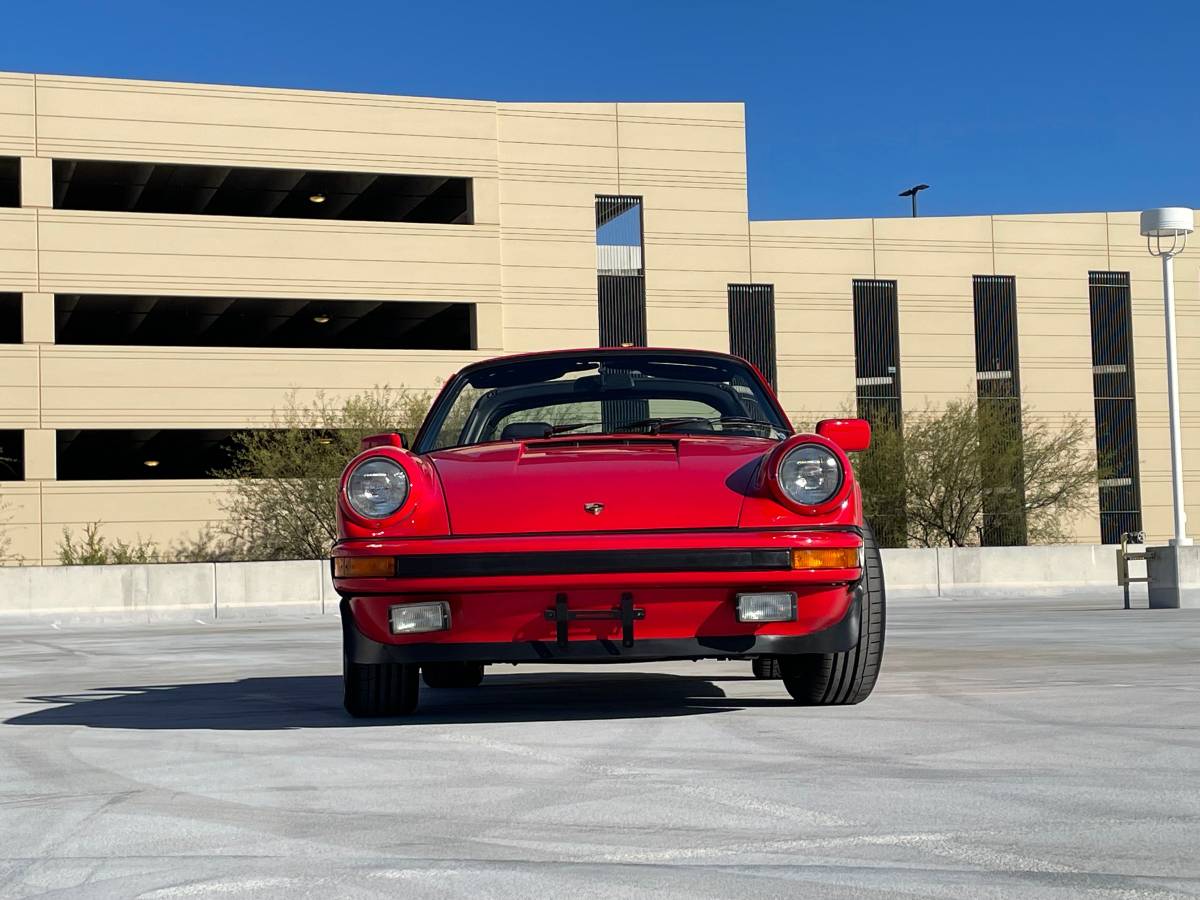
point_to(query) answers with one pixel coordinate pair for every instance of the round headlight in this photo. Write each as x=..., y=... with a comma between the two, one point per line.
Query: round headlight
x=810, y=474
x=377, y=487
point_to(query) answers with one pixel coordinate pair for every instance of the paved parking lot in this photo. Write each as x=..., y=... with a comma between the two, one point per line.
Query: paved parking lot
x=1032, y=749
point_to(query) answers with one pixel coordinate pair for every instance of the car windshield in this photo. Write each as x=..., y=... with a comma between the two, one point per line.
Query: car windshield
x=601, y=393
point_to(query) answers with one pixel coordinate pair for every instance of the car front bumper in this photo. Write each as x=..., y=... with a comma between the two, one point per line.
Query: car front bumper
x=644, y=597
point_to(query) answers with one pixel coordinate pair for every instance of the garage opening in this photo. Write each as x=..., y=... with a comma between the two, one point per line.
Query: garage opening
x=10, y=181
x=125, y=453
x=118, y=454
x=10, y=319
x=170, y=321
x=150, y=187
x=12, y=455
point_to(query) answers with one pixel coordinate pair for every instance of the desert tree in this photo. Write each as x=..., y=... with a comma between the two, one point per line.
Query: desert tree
x=969, y=473
x=881, y=476
x=972, y=466
x=283, y=495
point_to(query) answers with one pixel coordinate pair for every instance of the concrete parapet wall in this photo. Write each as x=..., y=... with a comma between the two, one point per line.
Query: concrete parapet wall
x=166, y=591
x=912, y=572
x=213, y=591
x=977, y=569
x=972, y=571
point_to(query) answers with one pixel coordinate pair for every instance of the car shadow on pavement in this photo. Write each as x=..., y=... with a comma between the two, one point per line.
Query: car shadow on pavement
x=314, y=701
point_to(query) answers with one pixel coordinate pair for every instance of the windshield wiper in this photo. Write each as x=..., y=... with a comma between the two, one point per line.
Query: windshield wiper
x=747, y=420
x=657, y=424
x=559, y=429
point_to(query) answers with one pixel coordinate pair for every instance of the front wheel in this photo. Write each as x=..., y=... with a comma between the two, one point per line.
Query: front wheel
x=841, y=679
x=380, y=689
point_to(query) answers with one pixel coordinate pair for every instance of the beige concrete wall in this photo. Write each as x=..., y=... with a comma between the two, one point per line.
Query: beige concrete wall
x=812, y=265
x=43, y=251
x=528, y=261
x=688, y=162
x=932, y=260
x=553, y=161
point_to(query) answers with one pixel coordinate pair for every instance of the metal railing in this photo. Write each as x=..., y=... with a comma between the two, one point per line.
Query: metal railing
x=1125, y=556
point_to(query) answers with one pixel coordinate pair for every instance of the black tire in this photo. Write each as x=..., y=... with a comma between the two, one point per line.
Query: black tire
x=384, y=689
x=452, y=675
x=841, y=679
x=765, y=667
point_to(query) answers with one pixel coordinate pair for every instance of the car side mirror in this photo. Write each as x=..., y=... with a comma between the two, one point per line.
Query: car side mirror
x=852, y=435
x=391, y=439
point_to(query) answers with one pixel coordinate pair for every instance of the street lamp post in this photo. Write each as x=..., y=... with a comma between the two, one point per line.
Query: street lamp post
x=912, y=192
x=1166, y=232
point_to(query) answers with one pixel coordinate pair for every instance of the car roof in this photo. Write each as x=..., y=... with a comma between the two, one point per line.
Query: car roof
x=584, y=352
x=607, y=351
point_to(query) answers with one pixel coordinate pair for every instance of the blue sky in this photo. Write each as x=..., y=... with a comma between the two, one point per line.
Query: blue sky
x=1005, y=106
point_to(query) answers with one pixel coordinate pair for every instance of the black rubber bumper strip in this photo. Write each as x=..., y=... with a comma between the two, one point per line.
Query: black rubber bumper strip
x=835, y=639
x=588, y=562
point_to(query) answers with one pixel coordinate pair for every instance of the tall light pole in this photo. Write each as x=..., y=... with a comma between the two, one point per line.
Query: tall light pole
x=1166, y=232
x=912, y=192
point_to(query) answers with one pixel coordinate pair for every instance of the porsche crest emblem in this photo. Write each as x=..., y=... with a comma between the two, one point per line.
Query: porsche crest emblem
x=594, y=508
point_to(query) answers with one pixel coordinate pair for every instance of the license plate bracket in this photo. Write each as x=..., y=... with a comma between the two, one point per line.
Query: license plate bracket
x=561, y=615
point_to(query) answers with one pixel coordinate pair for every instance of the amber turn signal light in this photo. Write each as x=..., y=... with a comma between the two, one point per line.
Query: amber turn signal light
x=364, y=566
x=825, y=558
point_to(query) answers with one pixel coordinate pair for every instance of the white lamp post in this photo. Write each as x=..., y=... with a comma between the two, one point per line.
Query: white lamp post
x=1166, y=232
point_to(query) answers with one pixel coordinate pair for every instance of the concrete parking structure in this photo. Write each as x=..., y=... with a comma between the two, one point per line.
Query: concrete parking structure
x=177, y=260
x=1034, y=748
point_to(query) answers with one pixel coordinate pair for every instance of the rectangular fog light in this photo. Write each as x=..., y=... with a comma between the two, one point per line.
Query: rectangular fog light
x=767, y=607
x=416, y=618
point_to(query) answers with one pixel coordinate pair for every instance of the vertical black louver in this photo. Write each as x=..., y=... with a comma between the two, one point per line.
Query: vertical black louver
x=752, y=326
x=877, y=390
x=1116, y=406
x=877, y=351
x=620, y=290
x=622, y=300
x=998, y=386
x=620, y=274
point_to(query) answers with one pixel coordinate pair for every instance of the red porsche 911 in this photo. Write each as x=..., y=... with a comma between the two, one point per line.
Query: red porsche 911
x=614, y=505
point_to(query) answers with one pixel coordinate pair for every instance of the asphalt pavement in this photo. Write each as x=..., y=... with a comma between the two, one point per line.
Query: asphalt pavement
x=1013, y=748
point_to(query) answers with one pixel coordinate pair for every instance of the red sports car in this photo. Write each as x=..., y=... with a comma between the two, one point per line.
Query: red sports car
x=614, y=505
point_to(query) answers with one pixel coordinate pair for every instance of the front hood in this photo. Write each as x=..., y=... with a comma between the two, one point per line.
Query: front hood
x=641, y=484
